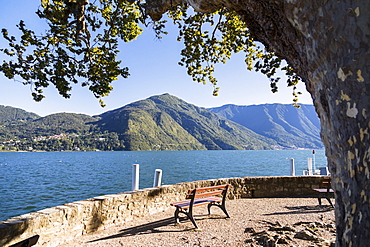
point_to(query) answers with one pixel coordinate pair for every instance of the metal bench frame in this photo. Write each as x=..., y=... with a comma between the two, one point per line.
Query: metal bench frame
x=325, y=192
x=199, y=197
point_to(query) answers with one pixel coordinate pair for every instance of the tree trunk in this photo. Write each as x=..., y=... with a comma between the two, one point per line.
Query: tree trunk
x=327, y=42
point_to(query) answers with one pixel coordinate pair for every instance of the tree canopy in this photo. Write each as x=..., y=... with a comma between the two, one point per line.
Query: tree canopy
x=82, y=43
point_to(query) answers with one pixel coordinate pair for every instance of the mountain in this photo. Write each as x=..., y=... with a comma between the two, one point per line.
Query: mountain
x=10, y=114
x=290, y=126
x=55, y=124
x=57, y=132
x=165, y=122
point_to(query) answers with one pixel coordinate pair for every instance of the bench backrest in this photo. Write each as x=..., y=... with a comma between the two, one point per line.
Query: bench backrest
x=208, y=191
x=27, y=242
x=326, y=183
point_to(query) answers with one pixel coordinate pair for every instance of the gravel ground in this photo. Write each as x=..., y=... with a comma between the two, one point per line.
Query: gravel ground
x=253, y=222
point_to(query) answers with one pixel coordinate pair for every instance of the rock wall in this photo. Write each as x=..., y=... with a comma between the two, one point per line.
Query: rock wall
x=58, y=224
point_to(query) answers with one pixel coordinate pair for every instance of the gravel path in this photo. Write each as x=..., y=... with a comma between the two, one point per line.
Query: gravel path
x=253, y=222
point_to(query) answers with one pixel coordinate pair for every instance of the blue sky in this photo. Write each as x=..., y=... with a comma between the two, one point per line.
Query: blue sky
x=154, y=70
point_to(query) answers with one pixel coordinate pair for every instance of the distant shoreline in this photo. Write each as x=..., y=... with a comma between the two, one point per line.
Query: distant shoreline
x=44, y=151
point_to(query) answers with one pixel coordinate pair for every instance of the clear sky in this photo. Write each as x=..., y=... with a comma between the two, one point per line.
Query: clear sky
x=154, y=70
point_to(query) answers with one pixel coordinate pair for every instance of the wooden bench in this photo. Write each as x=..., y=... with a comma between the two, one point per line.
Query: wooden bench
x=326, y=191
x=202, y=196
x=27, y=242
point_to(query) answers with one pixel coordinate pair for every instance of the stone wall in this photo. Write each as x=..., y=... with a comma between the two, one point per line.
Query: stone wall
x=58, y=224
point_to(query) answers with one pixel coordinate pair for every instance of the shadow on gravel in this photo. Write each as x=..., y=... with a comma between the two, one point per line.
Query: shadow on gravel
x=141, y=229
x=150, y=228
x=305, y=210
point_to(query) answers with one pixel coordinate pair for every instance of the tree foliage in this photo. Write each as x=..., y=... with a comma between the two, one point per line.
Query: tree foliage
x=81, y=45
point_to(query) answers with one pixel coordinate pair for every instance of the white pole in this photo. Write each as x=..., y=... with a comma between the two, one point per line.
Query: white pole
x=314, y=160
x=309, y=165
x=157, y=178
x=292, y=168
x=135, y=176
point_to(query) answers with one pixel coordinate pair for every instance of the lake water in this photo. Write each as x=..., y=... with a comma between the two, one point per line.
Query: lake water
x=31, y=181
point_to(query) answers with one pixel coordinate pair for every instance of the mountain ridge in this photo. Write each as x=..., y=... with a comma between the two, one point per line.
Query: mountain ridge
x=164, y=122
x=288, y=125
x=187, y=119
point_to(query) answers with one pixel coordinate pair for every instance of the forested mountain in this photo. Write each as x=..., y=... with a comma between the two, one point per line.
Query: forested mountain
x=289, y=126
x=66, y=123
x=10, y=114
x=163, y=122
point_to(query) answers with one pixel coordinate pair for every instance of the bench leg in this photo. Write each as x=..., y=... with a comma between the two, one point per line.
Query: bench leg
x=328, y=198
x=177, y=215
x=189, y=214
x=221, y=206
x=319, y=199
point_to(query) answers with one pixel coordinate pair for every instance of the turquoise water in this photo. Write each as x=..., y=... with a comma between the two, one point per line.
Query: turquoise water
x=32, y=181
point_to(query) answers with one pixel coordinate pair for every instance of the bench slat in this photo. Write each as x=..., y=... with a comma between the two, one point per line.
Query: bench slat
x=207, y=194
x=197, y=202
x=324, y=190
x=200, y=190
